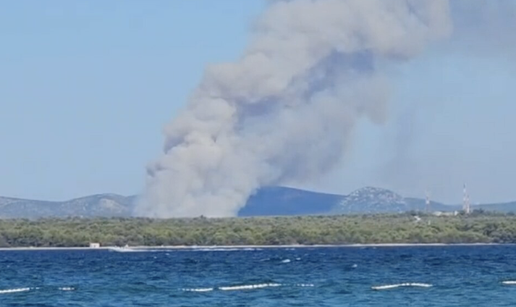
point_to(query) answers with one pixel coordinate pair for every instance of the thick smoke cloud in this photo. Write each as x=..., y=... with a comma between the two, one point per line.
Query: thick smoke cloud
x=286, y=109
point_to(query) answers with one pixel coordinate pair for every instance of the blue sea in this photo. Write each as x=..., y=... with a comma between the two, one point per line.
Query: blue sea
x=329, y=276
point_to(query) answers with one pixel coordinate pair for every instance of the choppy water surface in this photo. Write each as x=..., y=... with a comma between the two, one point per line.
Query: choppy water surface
x=344, y=276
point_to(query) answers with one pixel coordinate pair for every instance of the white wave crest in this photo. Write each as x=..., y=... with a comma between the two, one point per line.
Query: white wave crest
x=246, y=287
x=66, y=288
x=197, y=289
x=249, y=287
x=224, y=249
x=14, y=290
x=509, y=282
x=393, y=286
x=304, y=285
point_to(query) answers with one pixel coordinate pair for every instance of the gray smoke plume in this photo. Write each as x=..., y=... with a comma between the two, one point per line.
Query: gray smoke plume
x=285, y=110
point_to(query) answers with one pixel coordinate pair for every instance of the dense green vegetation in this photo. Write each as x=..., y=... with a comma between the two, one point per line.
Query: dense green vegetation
x=403, y=228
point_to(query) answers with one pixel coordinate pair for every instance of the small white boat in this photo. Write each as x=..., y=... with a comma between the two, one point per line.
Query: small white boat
x=123, y=249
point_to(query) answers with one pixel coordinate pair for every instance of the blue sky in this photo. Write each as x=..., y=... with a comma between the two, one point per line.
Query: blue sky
x=86, y=88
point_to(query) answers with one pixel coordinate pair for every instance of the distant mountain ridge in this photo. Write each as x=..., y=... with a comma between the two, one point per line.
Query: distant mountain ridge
x=272, y=201
x=372, y=200
x=100, y=205
x=268, y=201
x=377, y=200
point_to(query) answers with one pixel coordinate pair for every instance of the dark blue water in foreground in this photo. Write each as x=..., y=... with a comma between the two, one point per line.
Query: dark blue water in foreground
x=460, y=276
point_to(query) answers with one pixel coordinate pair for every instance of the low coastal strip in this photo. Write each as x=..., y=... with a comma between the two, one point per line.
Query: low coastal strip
x=297, y=231
x=128, y=248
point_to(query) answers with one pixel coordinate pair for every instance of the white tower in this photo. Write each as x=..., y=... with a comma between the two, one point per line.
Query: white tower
x=465, y=205
x=427, y=203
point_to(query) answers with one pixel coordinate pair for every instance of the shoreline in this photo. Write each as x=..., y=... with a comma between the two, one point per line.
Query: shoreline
x=244, y=247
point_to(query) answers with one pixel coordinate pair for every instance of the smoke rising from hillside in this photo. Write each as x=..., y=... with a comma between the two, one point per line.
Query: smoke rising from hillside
x=286, y=109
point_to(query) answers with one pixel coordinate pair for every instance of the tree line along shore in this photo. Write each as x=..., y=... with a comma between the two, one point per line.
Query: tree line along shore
x=479, y=227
